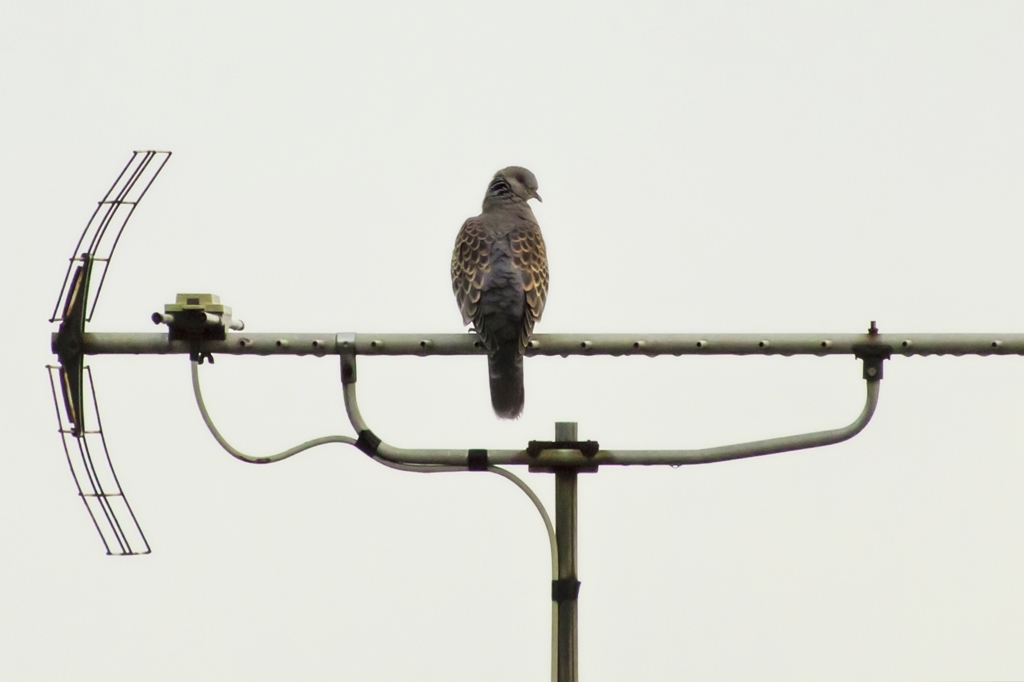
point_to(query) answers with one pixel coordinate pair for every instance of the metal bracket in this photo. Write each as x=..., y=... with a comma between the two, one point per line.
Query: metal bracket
x=346, y=345
x=873, y=355
x=587, y=448
x=69, y=344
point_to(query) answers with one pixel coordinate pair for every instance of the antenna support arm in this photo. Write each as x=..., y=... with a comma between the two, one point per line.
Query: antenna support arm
x=582, y=458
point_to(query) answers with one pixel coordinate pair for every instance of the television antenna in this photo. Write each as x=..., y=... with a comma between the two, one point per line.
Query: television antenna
x=201, y=327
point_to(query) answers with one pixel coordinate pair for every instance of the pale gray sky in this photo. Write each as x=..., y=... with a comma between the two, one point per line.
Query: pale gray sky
x=705, y=168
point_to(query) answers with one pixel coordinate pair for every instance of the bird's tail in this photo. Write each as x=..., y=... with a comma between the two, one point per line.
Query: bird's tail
x=507, y=393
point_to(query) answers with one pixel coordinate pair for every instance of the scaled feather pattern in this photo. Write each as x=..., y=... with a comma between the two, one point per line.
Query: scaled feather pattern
x=500, y=280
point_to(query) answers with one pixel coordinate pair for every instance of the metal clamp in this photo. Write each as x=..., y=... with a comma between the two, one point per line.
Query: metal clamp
x=873, y=355
x=587, y=448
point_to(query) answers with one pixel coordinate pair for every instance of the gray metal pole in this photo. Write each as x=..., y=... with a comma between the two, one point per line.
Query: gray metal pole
x=650, y=345
x=565, y=592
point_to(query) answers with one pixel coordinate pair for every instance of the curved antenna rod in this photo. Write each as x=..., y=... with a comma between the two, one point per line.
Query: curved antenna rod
x=547, y=458
x=754, y=448
x=80, y=290
x=110, y=217
x=95, y=478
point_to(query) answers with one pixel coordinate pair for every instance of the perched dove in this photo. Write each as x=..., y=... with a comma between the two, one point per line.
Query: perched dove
x=500, y=279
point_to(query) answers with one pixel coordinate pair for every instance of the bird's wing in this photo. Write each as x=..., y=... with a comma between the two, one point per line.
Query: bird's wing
x=530, y=257
x=471, y=262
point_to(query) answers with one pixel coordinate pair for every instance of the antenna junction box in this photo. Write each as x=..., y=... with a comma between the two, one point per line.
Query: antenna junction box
x=197, y=316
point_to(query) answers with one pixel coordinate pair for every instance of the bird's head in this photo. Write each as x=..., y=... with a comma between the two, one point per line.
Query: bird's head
x=511, y=185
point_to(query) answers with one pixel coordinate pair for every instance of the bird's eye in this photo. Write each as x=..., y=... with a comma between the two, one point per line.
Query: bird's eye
x=520, y=179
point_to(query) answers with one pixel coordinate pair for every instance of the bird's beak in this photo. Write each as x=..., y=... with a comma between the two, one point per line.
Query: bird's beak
x=537, y=197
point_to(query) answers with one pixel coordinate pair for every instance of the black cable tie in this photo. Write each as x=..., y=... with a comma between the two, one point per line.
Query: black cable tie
x=565, y=589
x=368, y=442
x=588, y=448
x=476, y=460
